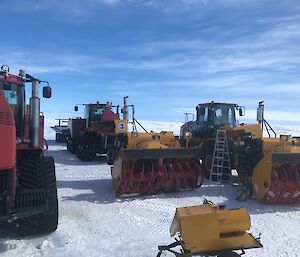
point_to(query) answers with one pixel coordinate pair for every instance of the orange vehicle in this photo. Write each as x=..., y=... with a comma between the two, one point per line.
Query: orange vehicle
x=96, y=132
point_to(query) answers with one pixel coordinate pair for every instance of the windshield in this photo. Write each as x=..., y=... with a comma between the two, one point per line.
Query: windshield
x=16, y=98
x=96, y=113
x=224, y=116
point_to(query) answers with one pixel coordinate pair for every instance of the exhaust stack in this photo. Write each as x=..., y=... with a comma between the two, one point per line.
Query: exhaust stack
x=125, y=109
x=34, y=115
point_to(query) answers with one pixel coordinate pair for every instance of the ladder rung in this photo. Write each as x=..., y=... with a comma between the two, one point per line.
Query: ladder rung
x=218, y=157
x=220, y=175
x=218, y=165
x=222, y=144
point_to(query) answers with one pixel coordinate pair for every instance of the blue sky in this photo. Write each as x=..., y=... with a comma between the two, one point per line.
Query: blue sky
x=168, y=56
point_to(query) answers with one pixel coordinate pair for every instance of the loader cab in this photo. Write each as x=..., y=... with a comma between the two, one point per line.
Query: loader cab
x=93, y=112
x=13, y=89
x=211, y=116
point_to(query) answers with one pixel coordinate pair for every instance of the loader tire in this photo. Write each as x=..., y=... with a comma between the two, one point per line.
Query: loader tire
x=45, y=222
x=59, y=138
x=207, y=158
x=71, y=146
x=85, y=154
x=111, y=155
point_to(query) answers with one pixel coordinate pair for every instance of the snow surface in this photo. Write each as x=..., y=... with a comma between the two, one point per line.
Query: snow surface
x=93, y=222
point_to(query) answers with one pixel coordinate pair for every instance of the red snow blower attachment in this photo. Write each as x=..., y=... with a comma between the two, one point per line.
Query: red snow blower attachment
x=153, y=162
x=149, y=162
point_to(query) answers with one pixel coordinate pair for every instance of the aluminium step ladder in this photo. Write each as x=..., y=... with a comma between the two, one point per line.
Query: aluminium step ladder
x=221, y=167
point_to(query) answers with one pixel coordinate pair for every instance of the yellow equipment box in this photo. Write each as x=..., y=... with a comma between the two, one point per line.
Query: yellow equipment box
x=210, y=229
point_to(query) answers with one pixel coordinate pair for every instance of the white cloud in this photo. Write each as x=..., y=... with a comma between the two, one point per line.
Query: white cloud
x=273, y=115
x=111, y=2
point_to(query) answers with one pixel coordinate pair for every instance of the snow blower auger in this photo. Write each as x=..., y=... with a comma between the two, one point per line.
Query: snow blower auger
x=276, y=178
x=148, y=163
x=210, y=230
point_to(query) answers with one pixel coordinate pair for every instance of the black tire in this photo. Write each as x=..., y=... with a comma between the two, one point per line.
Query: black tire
x=86, y=147
x=111, y=155
x=59, y=138
x=207, y=157
x=71, y=147
x=228, y=254
x=85, y=154
x=56, y=137
x=46, y=222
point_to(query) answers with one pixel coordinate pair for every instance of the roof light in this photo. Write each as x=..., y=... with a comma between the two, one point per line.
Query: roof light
x=5, y=68
x=22, y=73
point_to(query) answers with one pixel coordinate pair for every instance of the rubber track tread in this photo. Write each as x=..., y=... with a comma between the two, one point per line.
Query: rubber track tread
x=45, y=222
x=29, y=172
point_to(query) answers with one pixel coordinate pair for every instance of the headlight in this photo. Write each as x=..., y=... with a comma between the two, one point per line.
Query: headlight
x=187, y=135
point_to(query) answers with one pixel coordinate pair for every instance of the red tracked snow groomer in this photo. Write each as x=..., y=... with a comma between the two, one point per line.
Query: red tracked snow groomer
x=28, y=193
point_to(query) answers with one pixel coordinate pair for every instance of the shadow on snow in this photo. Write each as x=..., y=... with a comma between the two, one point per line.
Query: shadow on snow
x=62, y=156
x=102, y=192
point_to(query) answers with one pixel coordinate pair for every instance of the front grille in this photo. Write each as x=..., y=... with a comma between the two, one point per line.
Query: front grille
x=6, y=119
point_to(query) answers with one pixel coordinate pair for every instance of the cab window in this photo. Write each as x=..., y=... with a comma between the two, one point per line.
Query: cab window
x=203, y=114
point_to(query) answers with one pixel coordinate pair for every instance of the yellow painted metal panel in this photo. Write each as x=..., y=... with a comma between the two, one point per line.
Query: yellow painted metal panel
x=207, y=228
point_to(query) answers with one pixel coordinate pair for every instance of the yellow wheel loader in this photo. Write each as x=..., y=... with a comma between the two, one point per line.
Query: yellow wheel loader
x=268, y=167
x=276, y=177
x=210, y=230
x=271, y=167
x=150, y=162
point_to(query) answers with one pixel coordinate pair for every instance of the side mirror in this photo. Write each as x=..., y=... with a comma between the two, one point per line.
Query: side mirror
x=47, y=92
x=241, y=111
x=75, y=108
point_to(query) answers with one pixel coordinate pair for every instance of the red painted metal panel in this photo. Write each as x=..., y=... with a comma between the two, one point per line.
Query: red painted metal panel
x=11, y=78
x=108, y=115
x=7, y=135
x=77, y=126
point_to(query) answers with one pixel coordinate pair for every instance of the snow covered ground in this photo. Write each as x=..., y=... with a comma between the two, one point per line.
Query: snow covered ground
x=93, y=222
